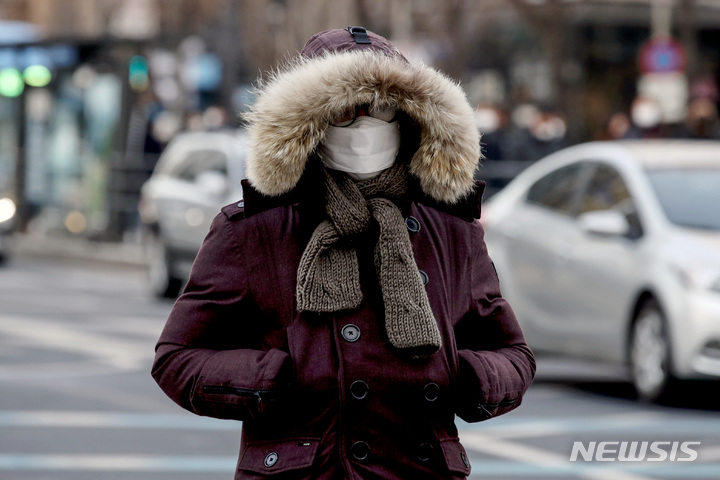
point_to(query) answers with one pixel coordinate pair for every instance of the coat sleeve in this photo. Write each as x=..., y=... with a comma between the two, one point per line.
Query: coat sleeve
x=496, y=366
x=197, y=362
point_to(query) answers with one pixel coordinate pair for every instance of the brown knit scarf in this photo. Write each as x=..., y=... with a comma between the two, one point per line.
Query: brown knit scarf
x=329, y=277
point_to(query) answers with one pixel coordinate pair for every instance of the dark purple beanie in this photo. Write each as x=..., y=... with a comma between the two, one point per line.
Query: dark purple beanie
x=342, y=40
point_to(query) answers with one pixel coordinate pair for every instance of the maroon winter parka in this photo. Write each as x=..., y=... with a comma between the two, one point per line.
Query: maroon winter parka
x=326, y=396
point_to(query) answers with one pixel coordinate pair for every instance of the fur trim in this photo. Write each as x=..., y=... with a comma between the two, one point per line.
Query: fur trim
x=294, y=107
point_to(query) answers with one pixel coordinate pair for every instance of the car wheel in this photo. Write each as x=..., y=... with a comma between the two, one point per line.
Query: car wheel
x=650, y=355
x=163, y=283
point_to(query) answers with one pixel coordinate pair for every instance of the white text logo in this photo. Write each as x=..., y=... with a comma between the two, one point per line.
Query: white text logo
x=634, y=451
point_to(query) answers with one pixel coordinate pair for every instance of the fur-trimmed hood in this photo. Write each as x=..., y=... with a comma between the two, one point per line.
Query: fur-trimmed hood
x=295, y=104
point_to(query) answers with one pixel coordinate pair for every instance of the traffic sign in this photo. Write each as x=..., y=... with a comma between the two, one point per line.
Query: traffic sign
x=662, y=55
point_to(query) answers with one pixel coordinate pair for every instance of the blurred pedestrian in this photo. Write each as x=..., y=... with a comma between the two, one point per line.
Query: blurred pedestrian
x=347, y=310
x=215, y=117
x=491, y=122
x=646, y=116
x=617, y=127
x=538, y=133
x=701, y=121
x=145, y=143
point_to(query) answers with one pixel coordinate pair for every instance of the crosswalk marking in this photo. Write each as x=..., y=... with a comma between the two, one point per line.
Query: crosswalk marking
x=58, y=418
x=46, y=333
x=538, y=458
x=527, y=427
x=117, y=463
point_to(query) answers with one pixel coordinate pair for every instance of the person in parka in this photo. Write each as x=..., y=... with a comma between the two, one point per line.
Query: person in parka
x=346, y=310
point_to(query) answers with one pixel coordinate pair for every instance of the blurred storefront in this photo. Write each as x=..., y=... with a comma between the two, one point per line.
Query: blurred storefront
x=62, y=132
x=590, y=60
x=84, y=117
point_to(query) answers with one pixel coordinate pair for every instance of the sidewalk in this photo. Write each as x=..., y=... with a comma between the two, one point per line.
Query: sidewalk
x=77, y=249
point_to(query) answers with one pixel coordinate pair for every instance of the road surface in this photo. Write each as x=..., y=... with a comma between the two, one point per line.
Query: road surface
x=77, y=401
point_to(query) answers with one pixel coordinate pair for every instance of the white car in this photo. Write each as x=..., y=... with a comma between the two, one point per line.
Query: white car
x=197, y=174
x=7, y=217
x=611, y=251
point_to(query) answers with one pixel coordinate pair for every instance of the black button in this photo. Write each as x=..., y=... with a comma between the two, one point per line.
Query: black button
x=412, y=224
x=431, y=391
x=359, y=389
x=424, y=277
x=350, y=333
x=464, y=459
x=424, y=452
x=271, y=459
x=360, y=450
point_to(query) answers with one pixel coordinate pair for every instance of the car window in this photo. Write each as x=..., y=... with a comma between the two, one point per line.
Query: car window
x=606, y=190
x=687, y=194
x=198, y=161
x=557, y=190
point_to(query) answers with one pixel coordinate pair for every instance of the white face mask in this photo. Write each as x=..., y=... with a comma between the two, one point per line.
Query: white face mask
x=487, y=120
x=646, y=114
x=362, y=149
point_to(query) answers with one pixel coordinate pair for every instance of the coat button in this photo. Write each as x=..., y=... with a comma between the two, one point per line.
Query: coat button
x=350, y=333
x=359, y=389
x=464, y=459
x=360, y=450
x=431, y=391
x=412, y=224
x=424, y=452
x=271, y=459
x=424, y=277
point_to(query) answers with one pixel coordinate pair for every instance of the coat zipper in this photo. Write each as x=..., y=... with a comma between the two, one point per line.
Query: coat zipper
x=260, y=395
x=504, y=403
x=487, y=407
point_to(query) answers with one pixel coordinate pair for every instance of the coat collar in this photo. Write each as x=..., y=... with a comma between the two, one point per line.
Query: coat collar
x=310, y=193
x=468, y=208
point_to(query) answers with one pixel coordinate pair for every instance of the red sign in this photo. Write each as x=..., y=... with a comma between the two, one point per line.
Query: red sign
x=662, y=55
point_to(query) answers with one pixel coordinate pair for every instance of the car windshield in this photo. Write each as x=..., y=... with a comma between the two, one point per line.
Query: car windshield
x=689, y=197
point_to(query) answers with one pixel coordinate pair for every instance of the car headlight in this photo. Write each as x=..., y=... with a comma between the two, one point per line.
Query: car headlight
x=7, y=209
x=701, y=277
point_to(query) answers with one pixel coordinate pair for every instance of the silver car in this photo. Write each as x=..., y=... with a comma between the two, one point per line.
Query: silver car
x=611, y=251
x=197, y=174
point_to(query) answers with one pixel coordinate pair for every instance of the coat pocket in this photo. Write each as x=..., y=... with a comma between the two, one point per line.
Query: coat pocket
x=246, y=403
x=272, y=457
x=455, y=456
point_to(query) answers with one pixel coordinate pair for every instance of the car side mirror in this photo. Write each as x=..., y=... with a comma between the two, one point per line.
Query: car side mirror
x=212, y=182
x=605, y=222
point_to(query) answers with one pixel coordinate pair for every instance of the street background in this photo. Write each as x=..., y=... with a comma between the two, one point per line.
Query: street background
x=92, y=91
